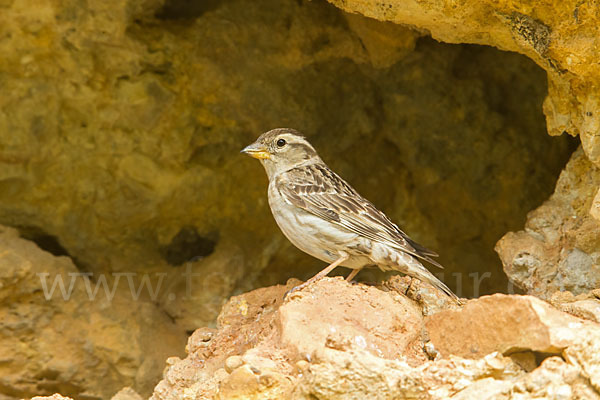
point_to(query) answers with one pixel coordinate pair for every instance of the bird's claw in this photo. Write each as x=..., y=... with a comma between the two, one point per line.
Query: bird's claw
x=286, y=294
x=292, y=290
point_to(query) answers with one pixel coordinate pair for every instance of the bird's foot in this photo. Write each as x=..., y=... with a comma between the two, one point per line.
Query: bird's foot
x=409, y=287
x=352, y=274
x=318, y=276
x=295, y=289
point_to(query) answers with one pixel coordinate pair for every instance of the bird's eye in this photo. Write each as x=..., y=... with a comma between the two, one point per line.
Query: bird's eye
x=280, y=143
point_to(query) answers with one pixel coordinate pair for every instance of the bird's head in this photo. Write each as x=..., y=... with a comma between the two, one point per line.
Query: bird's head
x=282, y=149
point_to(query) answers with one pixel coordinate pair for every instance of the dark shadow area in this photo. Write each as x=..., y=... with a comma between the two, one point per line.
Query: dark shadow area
x=45, y=241
x=188, y=245
x=186, y=9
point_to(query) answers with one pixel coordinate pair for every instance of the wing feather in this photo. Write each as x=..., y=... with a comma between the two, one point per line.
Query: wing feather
x=318, y=190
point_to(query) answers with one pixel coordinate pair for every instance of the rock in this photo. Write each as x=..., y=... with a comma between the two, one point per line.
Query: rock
x=586, y=305
x=232, y=363
x=560, y=247
x=248, y=383
x=126, y=393
x=64, y=338
x=561, y=39
x=262, y=348
x=330, y=315
x=585, y=354
x=485, y=389
x=587, y=309
x=356, y=374
x=525, y=359
x=595, y=207
x=506, y=324
x=245, y=322
x=193, y=294
x=386, y=43
x=554, y=379
x=260, y=339
x=361, y=375
x=55, y=396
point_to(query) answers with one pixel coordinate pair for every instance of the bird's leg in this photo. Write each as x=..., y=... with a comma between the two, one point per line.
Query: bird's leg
x=321, y=274
x=352, y=274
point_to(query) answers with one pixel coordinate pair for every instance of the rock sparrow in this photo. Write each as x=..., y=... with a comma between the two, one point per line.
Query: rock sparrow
x=325, y=217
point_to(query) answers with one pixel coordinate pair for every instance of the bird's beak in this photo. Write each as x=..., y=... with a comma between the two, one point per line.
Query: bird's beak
x=257, y=150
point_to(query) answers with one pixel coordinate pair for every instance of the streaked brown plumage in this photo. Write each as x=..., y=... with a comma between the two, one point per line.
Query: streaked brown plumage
x=325, y=217
x=319, y=190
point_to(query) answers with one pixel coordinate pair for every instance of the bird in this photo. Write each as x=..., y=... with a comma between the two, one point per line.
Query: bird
x=325, y=217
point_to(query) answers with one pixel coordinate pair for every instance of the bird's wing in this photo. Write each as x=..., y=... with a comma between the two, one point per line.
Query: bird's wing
x=320, y=191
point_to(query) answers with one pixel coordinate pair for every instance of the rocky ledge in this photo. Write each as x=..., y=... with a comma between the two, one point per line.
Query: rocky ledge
x=336, y=340
x=333, y=340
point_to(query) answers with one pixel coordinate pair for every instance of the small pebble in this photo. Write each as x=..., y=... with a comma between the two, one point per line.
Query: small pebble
x=233, y=362
x=431, y=351
x=302, y=365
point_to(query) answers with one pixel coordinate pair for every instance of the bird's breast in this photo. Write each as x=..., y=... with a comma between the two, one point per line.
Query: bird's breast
x=311, y=234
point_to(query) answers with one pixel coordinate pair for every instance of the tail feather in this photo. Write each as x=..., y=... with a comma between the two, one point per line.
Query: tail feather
x=412, y=267
x=428, y=277
x=388, y=258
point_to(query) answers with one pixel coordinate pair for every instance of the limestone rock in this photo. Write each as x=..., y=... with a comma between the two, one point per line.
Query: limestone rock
x=586, y=354
x=354, y=374
x=586, y=305
x=560, y=246
x=388, y=326
x=553, y=379
x=386, y=43
x=506, y=324
x=260, y=338
x=126, y=393
x=306, y=347
x=55, y=396
x=57, y=336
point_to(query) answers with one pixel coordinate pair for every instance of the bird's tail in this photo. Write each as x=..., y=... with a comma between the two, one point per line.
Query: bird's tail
x=415, y=269
x=436, y=283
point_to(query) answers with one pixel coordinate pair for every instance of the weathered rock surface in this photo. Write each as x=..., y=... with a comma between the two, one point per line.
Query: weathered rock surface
x=55, y=396
x=508, y=324
x=65, y=339
x=560, y=247
x=126, y=393
x=586, y=305
x=388, y=326
x=495, y=347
